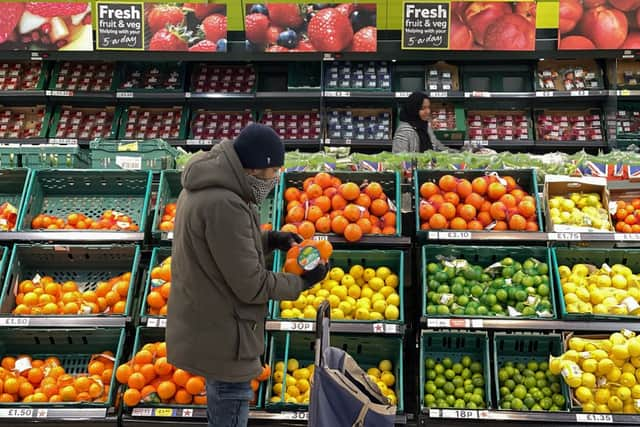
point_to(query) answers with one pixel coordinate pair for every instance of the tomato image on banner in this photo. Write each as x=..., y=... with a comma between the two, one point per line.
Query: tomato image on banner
x=311, y=27
x=46, y=26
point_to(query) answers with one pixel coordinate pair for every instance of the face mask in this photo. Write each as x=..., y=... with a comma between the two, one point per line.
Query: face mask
x=261, y=187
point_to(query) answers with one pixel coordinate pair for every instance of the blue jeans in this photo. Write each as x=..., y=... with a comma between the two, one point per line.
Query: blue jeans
x=228, y=403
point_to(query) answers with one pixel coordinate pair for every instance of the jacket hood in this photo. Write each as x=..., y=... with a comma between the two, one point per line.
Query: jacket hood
x=220, y=168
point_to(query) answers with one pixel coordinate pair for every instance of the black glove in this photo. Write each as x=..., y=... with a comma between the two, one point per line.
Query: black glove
x=314, y=276
x=282, y=240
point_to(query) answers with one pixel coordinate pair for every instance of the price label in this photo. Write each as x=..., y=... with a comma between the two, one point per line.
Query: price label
x=438, y=94
x=624, y=92
x=331, y=93
x=152, y=322
x=297, y=415
x=455, y=235
x=63, y=141
x=459, y=413
x=438, y=323
x=187, y=412
x=296, y=326
x=391, y=329
x=433, y=235
x=162, y=323
x=42, y=413
x=199, y=141
x=565, y=236
x=594, y=418
x=477, y=94
x=347, y=141
x=544, y=94
x=627, y=237
x=142, y=412
x=126, y=162
x=579, y=93
x=124, y=94
x=459, y=323
x=14, y=321
x=317, y=237
x=163, y=412
x=17, y=413
x=480, y=143
x=405, y=94
x=187, y=94
x=170, y=235
x=65, y=93
x=434, y=413
x=35, y=56
x=327, y=141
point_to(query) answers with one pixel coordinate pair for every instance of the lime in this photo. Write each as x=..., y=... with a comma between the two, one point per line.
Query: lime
x=528, y=373
x=529, y=311
x=476, y=291
x=540, y=375
x=441, y=277
x=507, y=272
x=430, y=388
x=505, y=405
x=447, y=362
x=459, y=403
x=466, y=361
x=528, y=281
x=543, y=268
x=441, y=403
x=536, y=407
x=559, y=400
x=471, y=405
x=440, y=394
x=482, y=311
x=440, y=382
x=529, y=382
x=469, y=311
x=466, y=373
x=430, y=363
x=537, y=395
x=518, y=378
x=439, y=368
x=507, y=261
x=554, y=408
x=503, y=375
x=541, y=383
x=528, y=264
x=431, y=375
x=497, y=308
x=457, y=290
x=458, y=311
x=478, y=382
x=433, y=268
x=504, y=391
x=448, y=388
x=451, y=272
x=433, y=285
x=517, y=404
x=458, y=382
x=449, y=374
x=543, y=366
x=529, y=402
x=546, y=403
x=469, y=387
x=450, y=400
x=543, y=290
x=442, y=310
x=457, y=368
x=479, y=391
x=432, y=309
x=520, y=391
x=477, y=399
x=520, y=295
x=459, y=393
x=443, y=289
x=555, y=387
x=517, y=266
x=491, y=299
x=429, y=400
x=546, y=391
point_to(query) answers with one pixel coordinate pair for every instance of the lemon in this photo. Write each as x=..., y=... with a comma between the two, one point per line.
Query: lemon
x=340, y=291
x=619, y=281
x=356, y=271
x=588, y=380
x=275, y=399
x=354, y=291
x=564, y=271
x=366, y=293
x=346, y=307
x=588, y=407
x=624, y=393
x=382, y=386
x=627, y=379
x=376, y=284
x=374, y=315
x=633, y=345
x=374, y=372
x=323, y=293
x=383, y=272
x=604, y=281
x=293, y=390
x=629, y=408
x=571, y=298
x=589, y=365
x=571, y=355
x=303, y=385
x=337, y=314
x=362, y=314
x=628, y=367
x=385, y=365
x=614, y=375
x=377, y=297
x=388, y=379
x=576, y=344
x=309, y=312
x=596, y=296
x=600, y=309
x=347, y=280
x=602, y=396
x=603, y=409
x=278, y=376
x=555, y=365
x=334, y=301
x=619, y=363
x=596, y=353
x=573, y=308
x=386, y=291
x=605, y=366
x=277, y=389
x=615, y=404
x=310, y=299
x=290, y=399
x=393, y=299
x=379, y=306
x=620, y=351
x=328, y=285
x=316, y=302
x=293, y=365
x=635, y=391
x=286, y=305
x=369, y=273
x=583, y=294
x=583, y=394
x=569, y=288
x=617, y=338
x=300, y=374
x=391, y=312
x=580, y=270
x=392, y=281
x=635, y=361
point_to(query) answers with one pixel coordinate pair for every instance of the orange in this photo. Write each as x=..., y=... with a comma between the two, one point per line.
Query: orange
x=102, y=289
x=35, y=375
x=475, y=200
x=290, y=228
x=166, y=390
x=195, y=385
x=389, y=219
x=526, y=208
x=82, y=384
x=517, y=222
x=352, y=212
x=330, y=192
x=511, y=183
x=500, y=226
x=200, y=400
x=291, y=194
x=338, y=224
x=518, y=194
x=335, y=181
x=458, y=223
x=451, y=197
x=8, y=363
x=531, y=226
x=148, y=371
x=131, y=397
x=183, y=397
x=147, y=390
x=122, y=288
x=373, y=190
x=323, y=224
x=323, y=179
x=7, y=398
x=291, y=266
x=464, y=188
x=119, y=307
x=96, y=368
x=11, y=386
x=180, y=377
x=496, y=190
x=314, y=213
x=296, y=214
x=475, y=225
x=426, y=210
x=352, y=233
x=349, y=191
x=323, y=203
x=255, y=384
x=498, y=211
x=306, y=229
x=480, y=185
x=25, y=389
x=68, y=394
x=467, y=212
x=136, y=380
x=447, y=183
x=155, y=299
x=508, y=200
x=485, y=218
x=448, y=210
x=429, y=189
x=69, y=286
x=438, y=221
x=106, y=376
x=71, y=308
x=363, y=200
x=266, y=372
x=365, y=225
x=338, y=202
x=325, y=248
x=436, y=200
x=165, y=290
x=379, y=207
x=314, y=191
x=162, y=367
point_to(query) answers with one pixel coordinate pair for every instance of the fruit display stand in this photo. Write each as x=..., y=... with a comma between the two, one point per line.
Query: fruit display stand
x=75, y=349
x=90, y=192
x=89, y=267
x=168, y=191
x=154, y=155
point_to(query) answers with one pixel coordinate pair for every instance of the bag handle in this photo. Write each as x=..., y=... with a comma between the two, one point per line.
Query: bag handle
x=323, y=323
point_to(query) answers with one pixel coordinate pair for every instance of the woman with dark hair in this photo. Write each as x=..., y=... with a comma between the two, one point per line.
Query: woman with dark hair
x=414, y=132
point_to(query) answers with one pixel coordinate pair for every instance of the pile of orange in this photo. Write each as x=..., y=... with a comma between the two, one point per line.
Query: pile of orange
x=109, y=220
x=28, y=380
x=627, y=216
x=486, y=203
x=327, y=205
x=44, y=296
x=160, y=288
x=291, y=264
x=151, y=379
x=168, y=217
x=8, y=216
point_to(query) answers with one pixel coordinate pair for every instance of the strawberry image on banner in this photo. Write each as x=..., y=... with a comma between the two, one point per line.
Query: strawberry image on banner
x=310, y=27
x=46, y=26
x=193, y=27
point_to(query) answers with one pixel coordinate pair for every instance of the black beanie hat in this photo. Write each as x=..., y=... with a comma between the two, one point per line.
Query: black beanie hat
x=259, y=147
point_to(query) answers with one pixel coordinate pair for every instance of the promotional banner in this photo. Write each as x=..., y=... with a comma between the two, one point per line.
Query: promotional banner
x=193, y=27
x=467, y=25
x=46, y=26
x=595, y=24
x=311, y=27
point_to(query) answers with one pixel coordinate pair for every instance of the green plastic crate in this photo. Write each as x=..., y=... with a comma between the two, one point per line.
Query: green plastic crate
x=368, y=352
x=496, y=78
x=153, y=154
x=390, y=182
x=151, y=335
x=14, y=184
x=523, y=348
x=46, y=156
x=10, y=156
x=157, y=256
x=485, y=256
x=597, y=257
x=126, y=69
x=57, y=114
x=526, y=178
x=123, y=116
x=91, y=192
x=394, y=259
x=168, y=192
x=302, y=76
x=73, y=347
x=56, y=72
x=85, y=264
x=438, y=345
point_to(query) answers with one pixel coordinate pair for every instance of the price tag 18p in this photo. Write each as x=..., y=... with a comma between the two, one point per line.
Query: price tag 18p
x=463, y=414
x=594, y=418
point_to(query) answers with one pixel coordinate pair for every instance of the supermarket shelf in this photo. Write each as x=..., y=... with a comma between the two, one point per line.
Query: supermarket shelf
x=154, y=321
x=382, y=328
x=72, y=236
x=383, y=143
x=541, y=417
x=292, y=95
x=302, y=143
x=36, y=141
x=367, y=240
x=555, y=145
x=7, y=321
x=627, y=238
x=195, y=414
x=71, y=96
x=22, y=94
x=451, y=95
x=150, y=96
x=627, y=93
x=358, y=94
x=590, y=94
x=40, y=413
x=193, y=142
x=211, y=95
x=527, y=324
